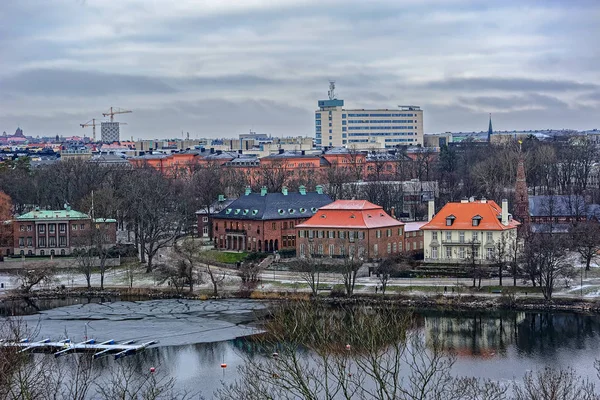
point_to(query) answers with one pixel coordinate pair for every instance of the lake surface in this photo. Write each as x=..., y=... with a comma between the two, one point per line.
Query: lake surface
x=197, y=336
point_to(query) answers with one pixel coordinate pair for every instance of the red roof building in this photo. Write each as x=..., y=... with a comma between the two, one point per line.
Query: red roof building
x=475, y=229
x=350, y=228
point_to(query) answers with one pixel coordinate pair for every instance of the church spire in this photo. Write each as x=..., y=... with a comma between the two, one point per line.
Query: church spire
x=490, y=130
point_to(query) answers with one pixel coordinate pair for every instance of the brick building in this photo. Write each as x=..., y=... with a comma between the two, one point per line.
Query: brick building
x=46, y=232
x=350, y=228
x=265, y=222
x=206, y=215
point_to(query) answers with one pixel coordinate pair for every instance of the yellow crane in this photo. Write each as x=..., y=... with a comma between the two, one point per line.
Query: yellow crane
x=115, y=110
x=91, y=123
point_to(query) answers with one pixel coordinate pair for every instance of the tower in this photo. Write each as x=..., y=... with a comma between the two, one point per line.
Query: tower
x=490, y=130
x=521, y=195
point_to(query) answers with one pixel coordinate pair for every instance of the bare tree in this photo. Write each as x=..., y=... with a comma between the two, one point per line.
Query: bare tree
x=309, y=270
x=249, y=273
x=586, y=241
x=547, y=254
x=385, y=269
x=85, y=264
x=188, y=256
x=550, y=383
x=42, y=273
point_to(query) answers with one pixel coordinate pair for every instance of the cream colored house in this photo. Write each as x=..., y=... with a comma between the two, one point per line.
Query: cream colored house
x=471, y=230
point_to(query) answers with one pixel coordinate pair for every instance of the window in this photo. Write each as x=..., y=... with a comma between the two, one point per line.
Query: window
x=216, y=226
x=330, y=234
x=52, y=228
x=292, y=224
x=449, y=236
x=29, y=228
x=389, y=232
x=433, y=235
x=52, y=241
x=434, y=253
x=331, y=250
x=342, y=250
x=395, y=247
x=41, y=228
x=82, y=226
x=300, y=234
x=273, y=226
x=361, y=235
x=321, y=234
x=476, y=252
x=29, y=242
x=342, y=235
x=62, y=252
x=204, y=219
x=285, y=225
x=489, y=254
x=389, y=248
x=476, y=220
x=475, y=236
x=21, y=241
x=450, y=220
x=320, y=249
x=62, y=241
x=74, y=227
x=22, y=228
x=399, y=231
x=461, y=237
x=42, y=253
x=490, y=236
x=42, y=242
x=302, y=249
x=378, y=233
x=448, y=252
x=375, y=249
x=461, y=253
x=205, y=230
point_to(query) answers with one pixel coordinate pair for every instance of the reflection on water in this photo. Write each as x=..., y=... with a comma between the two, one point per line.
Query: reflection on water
x=489, y=344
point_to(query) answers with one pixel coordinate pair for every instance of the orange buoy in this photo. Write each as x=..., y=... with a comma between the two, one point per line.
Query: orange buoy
x=152, y=369
x=348, y=347
x=223, y=365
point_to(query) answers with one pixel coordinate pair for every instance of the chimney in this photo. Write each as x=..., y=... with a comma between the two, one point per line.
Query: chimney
x=319, y=189
x=248, y=190
x=302, y=189
x=221, y=198
x=393, y=212
x=504, y=212
x=284, y=190
x=263, y=191
x=430, y=210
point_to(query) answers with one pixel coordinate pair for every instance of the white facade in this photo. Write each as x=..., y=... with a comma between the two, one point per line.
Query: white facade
x=453, y=246
x=336, y=126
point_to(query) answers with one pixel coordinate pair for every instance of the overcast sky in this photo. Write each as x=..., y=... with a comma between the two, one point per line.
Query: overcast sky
x=217, y=68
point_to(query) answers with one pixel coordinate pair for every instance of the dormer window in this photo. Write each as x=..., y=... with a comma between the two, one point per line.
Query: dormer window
x=476, y=220
x=450, y=220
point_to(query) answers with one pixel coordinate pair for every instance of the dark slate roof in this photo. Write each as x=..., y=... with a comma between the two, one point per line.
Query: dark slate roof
x=562, y=206
x=217, y=206
x=275, y=206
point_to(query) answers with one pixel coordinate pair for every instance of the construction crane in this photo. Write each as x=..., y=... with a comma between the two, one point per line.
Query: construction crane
x=93, y=125
x=115, y=110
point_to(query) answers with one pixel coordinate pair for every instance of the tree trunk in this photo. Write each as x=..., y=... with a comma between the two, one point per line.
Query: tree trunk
x=588, y=261
x=88, y=278
x=101, y=279
x=500, y=275
x=149, y=265
x=215, y=289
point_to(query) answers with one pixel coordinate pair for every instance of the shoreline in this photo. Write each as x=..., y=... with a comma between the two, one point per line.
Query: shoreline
x=465, y=302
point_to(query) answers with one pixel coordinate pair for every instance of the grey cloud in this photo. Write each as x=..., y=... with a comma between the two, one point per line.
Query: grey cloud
x=513, y=102
x=507, y=84
x=50, y=82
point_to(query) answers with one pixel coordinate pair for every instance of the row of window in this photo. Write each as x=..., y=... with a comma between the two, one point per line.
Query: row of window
x=369, y=128
x=248, y=227
x=51, y=228
x=379, y=115
x=378, y=121
x=351, y=235
x=383, y=134
x=461, y=236
x=42, y=252
x=463, y=253
x=62, y=241
x=319, y=250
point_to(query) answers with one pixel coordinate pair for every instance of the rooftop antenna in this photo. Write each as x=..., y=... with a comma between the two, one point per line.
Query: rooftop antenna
x=331, y=91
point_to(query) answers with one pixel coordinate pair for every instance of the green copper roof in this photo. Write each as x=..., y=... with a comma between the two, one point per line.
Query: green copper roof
x=105, y=220
x=52, y=214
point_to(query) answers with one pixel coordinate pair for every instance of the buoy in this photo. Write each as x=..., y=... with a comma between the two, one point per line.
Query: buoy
x=152, y=369
x=348, y=347
x=223, y=365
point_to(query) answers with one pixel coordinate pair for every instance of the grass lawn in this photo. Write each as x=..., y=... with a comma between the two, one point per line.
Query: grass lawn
x=225, y=257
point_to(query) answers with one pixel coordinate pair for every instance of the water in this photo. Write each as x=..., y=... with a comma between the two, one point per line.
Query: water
x=197, y=336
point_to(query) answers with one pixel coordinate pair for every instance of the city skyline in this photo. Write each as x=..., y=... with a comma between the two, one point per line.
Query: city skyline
x=216, y=70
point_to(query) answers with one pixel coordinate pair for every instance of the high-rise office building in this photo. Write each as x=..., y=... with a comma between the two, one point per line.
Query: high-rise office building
x=110, y=132
x=337, y=126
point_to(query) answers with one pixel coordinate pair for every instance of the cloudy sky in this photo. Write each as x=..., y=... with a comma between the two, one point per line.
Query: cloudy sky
x=217, y=68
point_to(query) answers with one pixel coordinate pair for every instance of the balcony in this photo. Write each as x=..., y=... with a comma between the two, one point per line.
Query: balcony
x=239, y=231
x=460, y=243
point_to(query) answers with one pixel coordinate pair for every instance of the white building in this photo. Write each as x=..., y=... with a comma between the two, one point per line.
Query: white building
x=336, y=126
x=470, y=231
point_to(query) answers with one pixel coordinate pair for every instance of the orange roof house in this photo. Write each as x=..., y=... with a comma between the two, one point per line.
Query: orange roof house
x=349, y=228
x=469, y=230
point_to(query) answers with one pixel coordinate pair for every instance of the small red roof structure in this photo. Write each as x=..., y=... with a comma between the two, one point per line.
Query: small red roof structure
x=462, y=214
x=354, y=214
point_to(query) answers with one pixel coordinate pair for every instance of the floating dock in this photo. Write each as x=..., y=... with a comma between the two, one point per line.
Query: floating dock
x=66, y=346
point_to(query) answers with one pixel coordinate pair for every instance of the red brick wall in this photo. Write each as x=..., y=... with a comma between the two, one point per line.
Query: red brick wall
x=410, y=240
